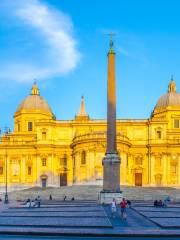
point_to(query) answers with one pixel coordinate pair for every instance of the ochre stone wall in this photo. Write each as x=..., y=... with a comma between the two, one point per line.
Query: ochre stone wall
x=57, y=153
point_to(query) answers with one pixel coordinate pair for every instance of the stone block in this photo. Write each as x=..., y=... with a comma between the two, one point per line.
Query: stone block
x=107, y=197
x=111, y=175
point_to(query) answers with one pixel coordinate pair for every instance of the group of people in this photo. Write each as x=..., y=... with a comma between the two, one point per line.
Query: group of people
x=33, y=203
x=162, y=203
x=65, y=198
x=37, y=201
x=124, y=204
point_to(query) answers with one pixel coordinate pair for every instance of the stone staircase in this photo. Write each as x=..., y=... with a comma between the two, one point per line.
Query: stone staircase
x=90, y=192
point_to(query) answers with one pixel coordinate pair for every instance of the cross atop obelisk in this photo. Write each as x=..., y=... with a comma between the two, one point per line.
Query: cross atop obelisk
x=111, y=44
x=111, y=162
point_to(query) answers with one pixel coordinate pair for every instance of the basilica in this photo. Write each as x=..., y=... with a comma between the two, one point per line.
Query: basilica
x=46, y=152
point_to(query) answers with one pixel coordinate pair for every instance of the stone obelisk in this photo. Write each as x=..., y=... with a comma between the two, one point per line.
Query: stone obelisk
x=111, y=161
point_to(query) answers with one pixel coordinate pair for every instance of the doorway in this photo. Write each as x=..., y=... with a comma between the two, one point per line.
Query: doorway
x=158, y=179
x=138, y=179
x=63, y=179
x=44, y=182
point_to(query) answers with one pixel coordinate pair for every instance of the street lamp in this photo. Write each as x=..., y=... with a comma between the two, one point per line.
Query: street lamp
x=6, y=132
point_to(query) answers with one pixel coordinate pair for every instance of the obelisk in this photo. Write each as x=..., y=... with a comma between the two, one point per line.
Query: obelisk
x=111, y=161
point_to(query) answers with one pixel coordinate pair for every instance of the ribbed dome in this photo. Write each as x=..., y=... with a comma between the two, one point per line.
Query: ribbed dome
x=34, y=102
x=171, y=98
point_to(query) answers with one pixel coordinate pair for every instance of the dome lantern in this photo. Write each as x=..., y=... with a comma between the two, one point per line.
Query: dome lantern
x=172, y=86
x=34, y=89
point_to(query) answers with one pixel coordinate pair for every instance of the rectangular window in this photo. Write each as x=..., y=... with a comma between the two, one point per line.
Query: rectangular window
x=29, y=170
x=44, y=162
x=19, y=129
x=176, y=123
x=1, y=170
x=63, y=161
x=158, y=162
x=30, y=126
x=173, y=168
x=83, y=157
x=74, y=162
x=43, y=135
x=159, y=134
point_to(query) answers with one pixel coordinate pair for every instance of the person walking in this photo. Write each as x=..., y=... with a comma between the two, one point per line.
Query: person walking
x=39, y=201
x=113, y=208
x=123, y=208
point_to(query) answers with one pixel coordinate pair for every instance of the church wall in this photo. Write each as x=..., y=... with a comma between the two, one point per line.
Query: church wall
x=73, y=150
x=62, y=136
x=24, y=117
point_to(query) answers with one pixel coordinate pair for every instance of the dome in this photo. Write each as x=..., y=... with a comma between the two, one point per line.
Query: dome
x=34, y=102
x=171, y=98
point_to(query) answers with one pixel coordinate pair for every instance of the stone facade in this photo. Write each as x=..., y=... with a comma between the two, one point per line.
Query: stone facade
x=44, y=151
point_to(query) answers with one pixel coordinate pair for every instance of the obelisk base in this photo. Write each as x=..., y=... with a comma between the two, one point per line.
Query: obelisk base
x=111, y=179
x=107, y=197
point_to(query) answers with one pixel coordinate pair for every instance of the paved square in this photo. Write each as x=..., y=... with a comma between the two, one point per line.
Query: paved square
x=57, y=214
x=168, y=217
x=55, y=221
x=167, y=222
x=52, y=214
x=83, y=217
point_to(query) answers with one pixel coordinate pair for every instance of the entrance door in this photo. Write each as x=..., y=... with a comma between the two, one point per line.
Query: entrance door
x=138, y=179
x=158, y=179
x=44, y=182
x=63, y=179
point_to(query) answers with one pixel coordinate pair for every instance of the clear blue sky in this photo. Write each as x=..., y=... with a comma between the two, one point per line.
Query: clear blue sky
x=63, y=44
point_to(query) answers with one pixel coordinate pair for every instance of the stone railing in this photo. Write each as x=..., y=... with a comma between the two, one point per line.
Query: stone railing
x=95, y=136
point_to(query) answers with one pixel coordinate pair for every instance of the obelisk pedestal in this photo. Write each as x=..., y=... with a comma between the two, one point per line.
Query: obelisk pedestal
x=111, y=161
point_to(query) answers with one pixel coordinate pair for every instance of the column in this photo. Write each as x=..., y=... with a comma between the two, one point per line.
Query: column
x=111, y=162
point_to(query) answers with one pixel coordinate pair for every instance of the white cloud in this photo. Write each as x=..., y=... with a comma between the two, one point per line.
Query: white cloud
x=55, y=30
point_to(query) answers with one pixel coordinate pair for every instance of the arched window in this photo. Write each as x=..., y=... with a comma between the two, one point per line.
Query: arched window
x=83, y=157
